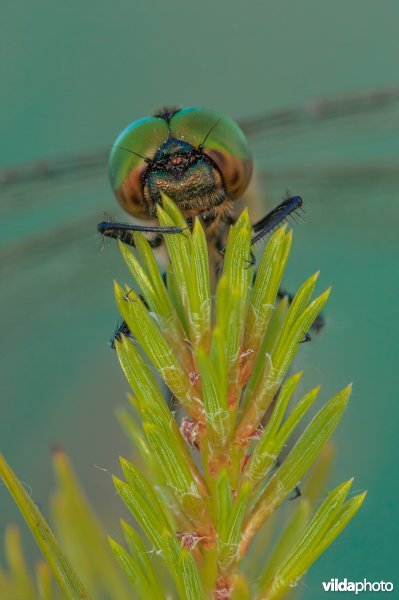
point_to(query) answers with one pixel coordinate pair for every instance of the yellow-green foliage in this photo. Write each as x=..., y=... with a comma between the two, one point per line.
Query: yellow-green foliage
x=205, y=487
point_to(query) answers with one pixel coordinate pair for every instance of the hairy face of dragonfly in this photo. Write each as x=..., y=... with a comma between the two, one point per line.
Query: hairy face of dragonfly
x=341, y=152
x=196, y=156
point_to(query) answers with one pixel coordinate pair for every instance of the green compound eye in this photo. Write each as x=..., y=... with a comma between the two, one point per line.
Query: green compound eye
x=222, y=140
x=198, y=157
x=140, y=140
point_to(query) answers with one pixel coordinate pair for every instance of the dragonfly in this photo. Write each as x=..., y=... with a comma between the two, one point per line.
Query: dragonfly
x=198, y=157
x=340, y=141
x=340, y=155
x=328, y=150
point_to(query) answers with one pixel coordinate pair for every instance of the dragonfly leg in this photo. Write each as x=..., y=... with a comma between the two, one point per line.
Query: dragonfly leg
x=251, y=261
x=307, y=338
x=122, y=328
x=124, y=232
x=275, y=217
x=272, y=220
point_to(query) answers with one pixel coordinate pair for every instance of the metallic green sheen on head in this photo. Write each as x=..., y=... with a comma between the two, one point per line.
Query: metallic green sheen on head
x=215, y=141
x=143, y=137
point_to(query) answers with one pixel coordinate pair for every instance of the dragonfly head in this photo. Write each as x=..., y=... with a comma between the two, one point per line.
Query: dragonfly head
x=196, y=156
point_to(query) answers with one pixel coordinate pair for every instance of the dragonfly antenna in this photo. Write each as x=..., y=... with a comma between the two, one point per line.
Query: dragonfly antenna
x=147, y=160
x=209, y=132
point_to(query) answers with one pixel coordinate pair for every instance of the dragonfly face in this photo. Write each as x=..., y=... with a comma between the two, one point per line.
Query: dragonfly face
x=341, y=153
x=198, y=157
x=338, y=152
x=201, y=160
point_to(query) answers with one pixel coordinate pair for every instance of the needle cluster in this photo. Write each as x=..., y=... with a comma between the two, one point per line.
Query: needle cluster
x=207, y=484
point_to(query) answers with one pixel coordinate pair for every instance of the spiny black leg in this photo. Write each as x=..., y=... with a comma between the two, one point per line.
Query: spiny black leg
x=307, y=338
x=274, y=218
x=122, y=328
x=252, y=260
x=123, y=232
x=296, y=493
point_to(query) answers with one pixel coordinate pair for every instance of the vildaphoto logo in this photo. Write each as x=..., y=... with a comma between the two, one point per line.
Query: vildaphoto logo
x=335, y=585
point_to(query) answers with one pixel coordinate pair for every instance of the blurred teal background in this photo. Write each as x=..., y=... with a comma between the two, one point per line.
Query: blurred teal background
x=72, y=76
